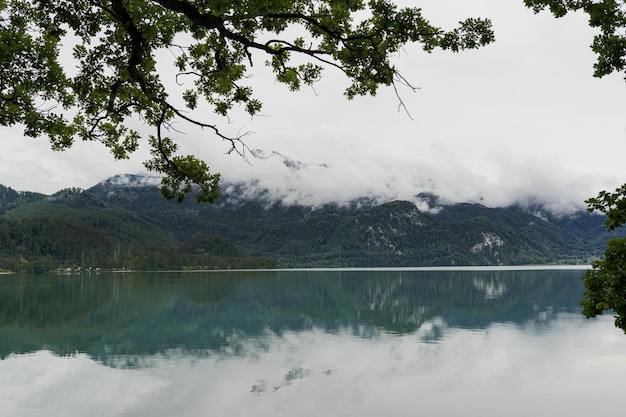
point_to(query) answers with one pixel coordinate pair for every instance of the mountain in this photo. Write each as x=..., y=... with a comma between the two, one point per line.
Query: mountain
x=125, y=222
x=10, y=199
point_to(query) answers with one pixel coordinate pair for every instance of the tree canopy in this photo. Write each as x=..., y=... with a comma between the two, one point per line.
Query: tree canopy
x=608, y=16
x=114, y=74
x=605, y=283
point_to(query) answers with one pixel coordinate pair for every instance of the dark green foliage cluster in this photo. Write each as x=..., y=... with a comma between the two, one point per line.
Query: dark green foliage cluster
x=210, y=244
x=608, y=17
x=605, y=284
x=10, y=199
x=48, y=243
x=74, y=229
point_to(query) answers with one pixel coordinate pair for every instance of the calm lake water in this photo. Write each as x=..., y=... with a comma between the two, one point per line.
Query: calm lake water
x=307, y=343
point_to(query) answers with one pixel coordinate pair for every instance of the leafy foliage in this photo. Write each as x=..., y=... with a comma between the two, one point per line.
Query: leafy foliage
x=605, y=284
x=116, y=76
x=613, y=205
x=608, y=16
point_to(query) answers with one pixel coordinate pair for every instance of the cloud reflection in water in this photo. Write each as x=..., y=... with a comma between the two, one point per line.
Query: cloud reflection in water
x=567, y=366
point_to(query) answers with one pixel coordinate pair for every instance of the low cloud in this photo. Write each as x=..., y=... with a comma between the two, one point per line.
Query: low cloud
x=493, y=179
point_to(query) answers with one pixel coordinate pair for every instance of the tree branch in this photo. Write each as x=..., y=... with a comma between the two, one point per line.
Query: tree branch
x=137, y=43
x=233, y=141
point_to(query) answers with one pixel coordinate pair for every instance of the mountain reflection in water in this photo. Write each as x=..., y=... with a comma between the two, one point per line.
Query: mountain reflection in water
x=342, y=343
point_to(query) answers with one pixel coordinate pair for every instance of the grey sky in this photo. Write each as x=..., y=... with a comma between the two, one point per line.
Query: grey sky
x=522, y=118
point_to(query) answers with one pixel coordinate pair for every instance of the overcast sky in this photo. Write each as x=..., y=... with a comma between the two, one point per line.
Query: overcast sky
x=520, y=119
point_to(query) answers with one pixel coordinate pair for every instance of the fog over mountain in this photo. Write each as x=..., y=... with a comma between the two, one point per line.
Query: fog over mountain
x=290, y=181
x=316, y=182
x=318, y=179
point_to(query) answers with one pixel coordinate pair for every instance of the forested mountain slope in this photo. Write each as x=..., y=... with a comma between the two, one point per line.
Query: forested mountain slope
x=125, y=222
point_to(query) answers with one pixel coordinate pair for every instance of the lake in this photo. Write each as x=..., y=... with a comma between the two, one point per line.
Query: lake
x=401, y=342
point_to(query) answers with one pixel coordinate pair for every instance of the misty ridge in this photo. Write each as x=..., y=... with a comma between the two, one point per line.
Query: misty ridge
x=125, y=223
x=277, y=177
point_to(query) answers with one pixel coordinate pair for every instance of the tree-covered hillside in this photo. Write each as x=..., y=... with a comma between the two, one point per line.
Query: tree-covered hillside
x=76, y=229
x=125, y=223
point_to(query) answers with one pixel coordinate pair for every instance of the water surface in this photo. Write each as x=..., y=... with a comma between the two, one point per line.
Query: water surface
x=306, y=343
